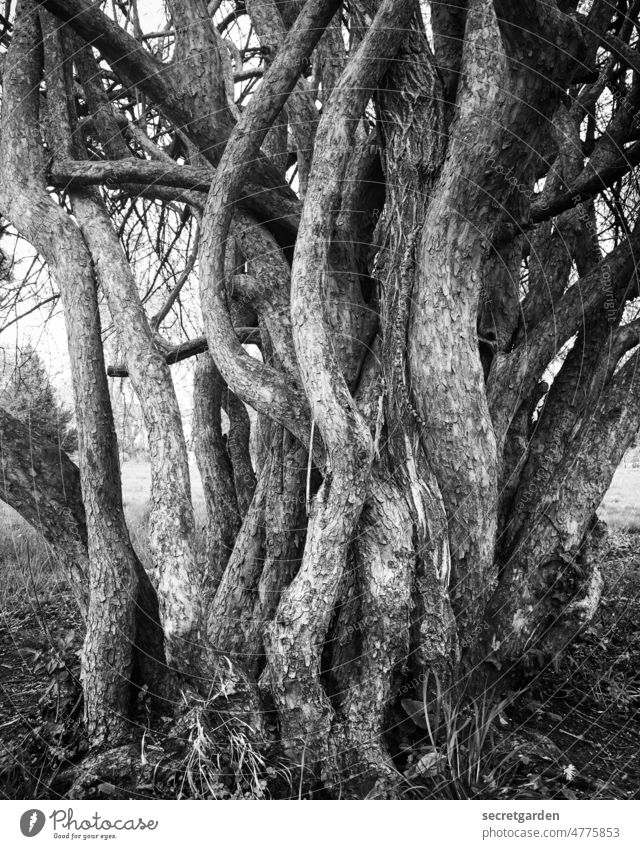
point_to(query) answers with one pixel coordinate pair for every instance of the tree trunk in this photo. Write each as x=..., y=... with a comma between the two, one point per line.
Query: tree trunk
x=216, y=472
x=107, y=662
x=404, y=493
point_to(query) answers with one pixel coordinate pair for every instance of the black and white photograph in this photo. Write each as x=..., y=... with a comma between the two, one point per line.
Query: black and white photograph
x=320, y=419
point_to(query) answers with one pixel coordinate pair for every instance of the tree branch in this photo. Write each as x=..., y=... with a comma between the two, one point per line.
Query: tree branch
x=515, y=373
x=587, y=186
x=75, y=173
x=185, y=350
x=448, y=21
x=265, y=192
x=625, y=339
x=259, y=385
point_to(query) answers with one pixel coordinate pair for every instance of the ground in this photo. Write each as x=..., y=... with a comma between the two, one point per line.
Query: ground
x=571, y=731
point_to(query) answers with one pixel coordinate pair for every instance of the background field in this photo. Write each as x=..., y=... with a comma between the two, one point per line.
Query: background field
x=620, y=507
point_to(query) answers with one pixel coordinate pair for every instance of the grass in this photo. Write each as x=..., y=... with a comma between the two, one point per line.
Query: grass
x=27, y=566
x=460, y=759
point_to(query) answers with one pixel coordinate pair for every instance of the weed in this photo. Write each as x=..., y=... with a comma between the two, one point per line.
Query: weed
x=461, y=760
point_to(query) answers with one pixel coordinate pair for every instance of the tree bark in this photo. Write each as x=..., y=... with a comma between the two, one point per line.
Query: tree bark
x=216, y=472
x=107, y=663
x=42, y=484
x=444, y=381
x=171, y=520
x=304, y=614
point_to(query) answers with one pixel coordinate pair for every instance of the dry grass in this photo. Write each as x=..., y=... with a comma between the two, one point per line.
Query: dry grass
x=25, y=561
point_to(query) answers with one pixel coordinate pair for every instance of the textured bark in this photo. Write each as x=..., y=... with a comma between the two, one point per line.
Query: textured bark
x=238, y=446
x=231, y=611
x=265, y=558
x=42, y=484
x=413, y=153
x=216, y=471
x=267, y=289
x=548, y=587
x=304, y=614
x=446, y=372
x=448, y=23
x=197, y=67
x=498, y=94
x=301, y=111
x=553, y=247
x=285, y=531
x=107, y=656
x=404, y=492
x=257, y=384
x=155, y=175
x=103, y=117
x=171, y=520
x=552, y=250
x=330, y=59
x=177, y=353
x=515, y=373
x=164, y=85
x=384, y=550
x=588, y=185
x=549, y=268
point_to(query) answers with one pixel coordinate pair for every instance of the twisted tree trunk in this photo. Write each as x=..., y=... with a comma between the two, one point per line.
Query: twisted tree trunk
x=415, y=495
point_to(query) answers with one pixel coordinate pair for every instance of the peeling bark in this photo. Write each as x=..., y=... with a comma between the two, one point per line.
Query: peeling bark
x=383, y=549
x=216, y=472
x=545, y=586
x=400, y=494
x=171, y=521
x=107, y=662
x=293, y=639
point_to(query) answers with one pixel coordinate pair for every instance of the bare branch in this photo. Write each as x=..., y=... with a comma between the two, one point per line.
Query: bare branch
x=281, y=216
x=514, y=374
x=625, y=339
x=586, y=187
x=257, y=384
x=160, y=316
x=186, y=350
x=164, y=85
